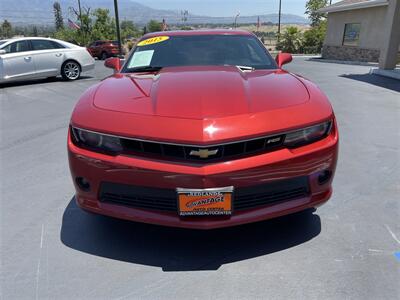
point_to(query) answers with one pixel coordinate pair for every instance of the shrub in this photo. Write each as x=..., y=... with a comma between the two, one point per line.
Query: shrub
x=290, y=40
x=314, y=38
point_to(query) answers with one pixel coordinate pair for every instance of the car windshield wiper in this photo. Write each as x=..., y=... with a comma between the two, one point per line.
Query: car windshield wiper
x=145, y=69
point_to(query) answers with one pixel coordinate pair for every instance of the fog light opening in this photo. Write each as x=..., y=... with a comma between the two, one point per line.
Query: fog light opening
x=324, y=177
x=83, y=184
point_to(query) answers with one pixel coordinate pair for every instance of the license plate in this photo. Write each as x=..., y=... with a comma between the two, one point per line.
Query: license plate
x=205, y=202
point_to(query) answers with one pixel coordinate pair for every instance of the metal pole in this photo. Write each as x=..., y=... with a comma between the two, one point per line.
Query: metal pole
x=279, y=20
x=80, y=17
x=237, y=15
x=117, y=24
x=80, y=12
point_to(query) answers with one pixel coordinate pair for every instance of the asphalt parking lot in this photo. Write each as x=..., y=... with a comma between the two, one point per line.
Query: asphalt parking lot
x=345, y=250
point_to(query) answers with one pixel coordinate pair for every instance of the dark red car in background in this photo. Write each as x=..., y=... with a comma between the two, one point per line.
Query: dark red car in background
x=104, y=49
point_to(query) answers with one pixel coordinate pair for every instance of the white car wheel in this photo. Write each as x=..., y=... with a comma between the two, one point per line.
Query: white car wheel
x=71, y=70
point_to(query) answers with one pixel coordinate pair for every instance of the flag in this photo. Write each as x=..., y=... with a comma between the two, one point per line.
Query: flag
x=73, y=25
x=164, y=25
x=258, y=24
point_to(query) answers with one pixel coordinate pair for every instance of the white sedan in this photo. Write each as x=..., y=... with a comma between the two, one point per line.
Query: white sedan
x=31, y=58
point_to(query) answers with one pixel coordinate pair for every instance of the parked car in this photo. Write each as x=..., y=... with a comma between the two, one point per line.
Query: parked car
x=202, y=129
x=104, y=49
x=31, y=58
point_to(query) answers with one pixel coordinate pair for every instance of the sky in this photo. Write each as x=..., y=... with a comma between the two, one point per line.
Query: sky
x=226, y=8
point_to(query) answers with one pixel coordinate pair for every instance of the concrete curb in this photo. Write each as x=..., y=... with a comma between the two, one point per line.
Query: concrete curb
x=394, y=74
x=345, y=62
x=315, y=56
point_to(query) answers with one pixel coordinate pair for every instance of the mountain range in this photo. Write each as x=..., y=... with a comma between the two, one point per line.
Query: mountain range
x=40, y=12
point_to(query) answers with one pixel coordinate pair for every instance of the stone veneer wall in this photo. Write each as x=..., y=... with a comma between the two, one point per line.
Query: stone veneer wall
x=350, y=53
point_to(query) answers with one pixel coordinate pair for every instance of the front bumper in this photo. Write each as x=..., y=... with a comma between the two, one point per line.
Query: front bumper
x=307, y=161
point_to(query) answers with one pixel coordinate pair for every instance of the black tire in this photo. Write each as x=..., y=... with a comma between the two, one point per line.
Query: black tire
x=104, y=56
x=71, y=70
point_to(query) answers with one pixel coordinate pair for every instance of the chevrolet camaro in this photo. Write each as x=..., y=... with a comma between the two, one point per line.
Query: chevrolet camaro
x=202, y=129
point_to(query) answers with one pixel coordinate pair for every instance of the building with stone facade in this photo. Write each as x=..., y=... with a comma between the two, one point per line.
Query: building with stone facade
x=363, y=30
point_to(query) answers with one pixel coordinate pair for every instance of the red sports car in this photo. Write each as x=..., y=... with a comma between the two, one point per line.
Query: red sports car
x=202, y=129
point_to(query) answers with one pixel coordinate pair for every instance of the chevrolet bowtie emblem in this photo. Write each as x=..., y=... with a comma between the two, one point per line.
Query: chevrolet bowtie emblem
x=203, y=153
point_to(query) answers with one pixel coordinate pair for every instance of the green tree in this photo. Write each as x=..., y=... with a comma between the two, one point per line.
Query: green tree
x=6, y=29
x=128, y=30
x=58, y=18
x=69, y=35
x=35, y=30
x=83, y=35
x=290, y=40
x=312, y=7
x=103, y=26
x=314, y=38
x=153, y=26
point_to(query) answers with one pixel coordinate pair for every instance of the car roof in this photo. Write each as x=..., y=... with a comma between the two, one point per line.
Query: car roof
x=23, y=38
x=199, y=32
x=29, y=38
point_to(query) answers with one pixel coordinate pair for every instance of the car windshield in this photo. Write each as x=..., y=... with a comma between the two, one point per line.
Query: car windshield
x=244, y=51
x=3, y=42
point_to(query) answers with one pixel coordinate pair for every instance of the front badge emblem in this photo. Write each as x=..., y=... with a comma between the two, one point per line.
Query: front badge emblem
x=203, y=153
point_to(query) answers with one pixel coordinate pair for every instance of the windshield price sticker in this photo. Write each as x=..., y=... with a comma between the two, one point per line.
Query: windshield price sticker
x=153, y=40
x=205, y=202
x=141, y=59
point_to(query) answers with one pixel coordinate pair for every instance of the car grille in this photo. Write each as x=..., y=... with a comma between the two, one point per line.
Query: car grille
x=203, y=154
x=166, y=199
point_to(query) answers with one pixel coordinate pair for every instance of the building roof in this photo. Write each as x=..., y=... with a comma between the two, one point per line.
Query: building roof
x=352, y=4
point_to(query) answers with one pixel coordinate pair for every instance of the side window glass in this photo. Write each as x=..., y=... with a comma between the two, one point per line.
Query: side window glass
x=42, y=45
x=20, y=46
x=8, y=48
x=57, y=45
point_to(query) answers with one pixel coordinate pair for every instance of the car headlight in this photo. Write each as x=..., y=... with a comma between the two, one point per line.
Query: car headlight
x=96, y=141
x=307, y=135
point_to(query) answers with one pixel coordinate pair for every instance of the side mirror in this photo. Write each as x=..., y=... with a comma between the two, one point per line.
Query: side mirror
x=113, y=63
x=2, y=51
x=283, y=58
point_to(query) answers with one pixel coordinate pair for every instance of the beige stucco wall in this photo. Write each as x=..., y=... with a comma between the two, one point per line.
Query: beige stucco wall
x=371, y=20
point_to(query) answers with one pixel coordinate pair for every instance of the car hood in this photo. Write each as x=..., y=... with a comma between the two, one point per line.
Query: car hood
x=200, y=92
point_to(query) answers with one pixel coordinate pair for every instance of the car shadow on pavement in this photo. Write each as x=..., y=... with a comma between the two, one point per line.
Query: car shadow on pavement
x=175, y=249
x=38, y=81
x=384, y=82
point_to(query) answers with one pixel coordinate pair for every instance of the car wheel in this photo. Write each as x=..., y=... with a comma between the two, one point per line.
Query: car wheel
x=71, y=70
x=104, y=56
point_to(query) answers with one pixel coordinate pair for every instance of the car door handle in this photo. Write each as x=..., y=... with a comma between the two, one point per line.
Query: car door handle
x=58, y=54
x=27, y=57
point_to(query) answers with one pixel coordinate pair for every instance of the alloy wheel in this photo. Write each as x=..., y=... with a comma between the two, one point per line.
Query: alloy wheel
x=72, y=70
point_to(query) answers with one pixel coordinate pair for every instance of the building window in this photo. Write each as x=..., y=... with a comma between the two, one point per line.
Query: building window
x=351, y=34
